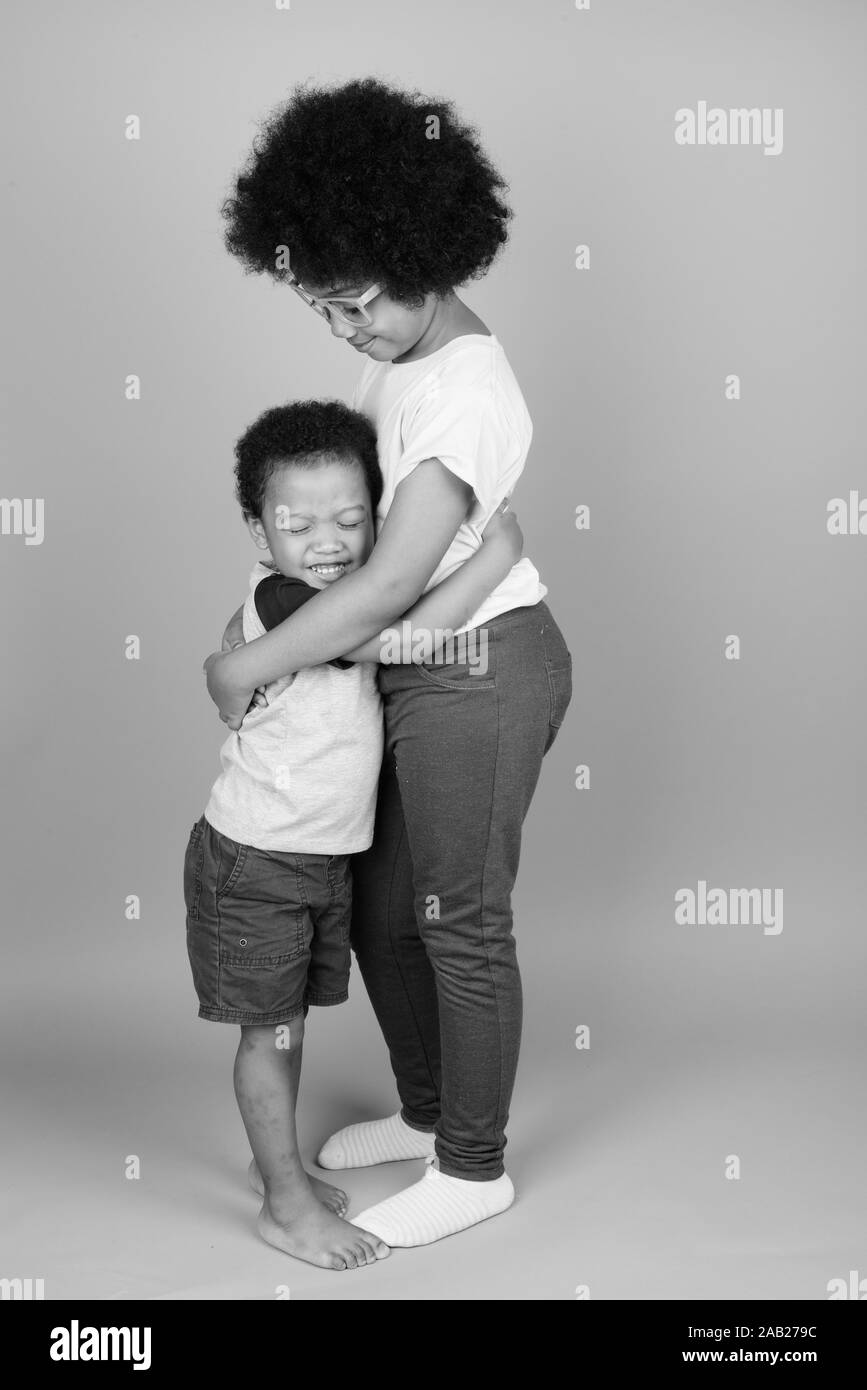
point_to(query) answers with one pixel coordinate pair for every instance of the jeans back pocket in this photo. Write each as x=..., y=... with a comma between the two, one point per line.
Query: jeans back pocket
x=559, y=691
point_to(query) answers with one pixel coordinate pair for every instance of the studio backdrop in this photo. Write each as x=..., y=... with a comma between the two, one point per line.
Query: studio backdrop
x=682, y=301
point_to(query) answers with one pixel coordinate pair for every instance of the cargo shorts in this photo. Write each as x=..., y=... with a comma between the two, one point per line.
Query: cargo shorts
x=267, y=931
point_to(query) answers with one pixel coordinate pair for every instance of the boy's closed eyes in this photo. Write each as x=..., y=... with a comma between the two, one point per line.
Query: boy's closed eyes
x=316, y=521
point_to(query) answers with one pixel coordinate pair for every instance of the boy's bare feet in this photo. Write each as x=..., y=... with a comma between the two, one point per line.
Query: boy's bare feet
x=298, y=1223
x=331, y=1197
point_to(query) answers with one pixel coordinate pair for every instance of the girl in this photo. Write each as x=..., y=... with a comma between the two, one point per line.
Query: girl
x=383, y=202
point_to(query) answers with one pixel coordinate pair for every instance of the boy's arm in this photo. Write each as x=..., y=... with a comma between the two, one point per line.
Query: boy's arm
x=452, y=602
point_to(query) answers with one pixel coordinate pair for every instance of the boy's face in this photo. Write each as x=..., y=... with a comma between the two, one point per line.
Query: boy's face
x=316, y=521
x=394, y=329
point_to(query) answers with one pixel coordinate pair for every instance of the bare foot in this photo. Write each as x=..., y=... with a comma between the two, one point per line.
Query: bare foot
x=331, y=1197
x=299, y=1224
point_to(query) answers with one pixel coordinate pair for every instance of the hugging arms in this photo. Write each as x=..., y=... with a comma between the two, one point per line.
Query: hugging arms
x=353, y=618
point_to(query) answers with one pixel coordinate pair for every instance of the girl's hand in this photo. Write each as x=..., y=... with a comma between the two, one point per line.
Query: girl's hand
x=231, y=702
x=504, y=529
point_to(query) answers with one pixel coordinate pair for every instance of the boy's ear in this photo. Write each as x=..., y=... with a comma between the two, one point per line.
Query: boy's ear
x=257, y=531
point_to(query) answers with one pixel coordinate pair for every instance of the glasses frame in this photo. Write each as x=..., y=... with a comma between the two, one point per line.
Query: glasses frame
x=327, y=306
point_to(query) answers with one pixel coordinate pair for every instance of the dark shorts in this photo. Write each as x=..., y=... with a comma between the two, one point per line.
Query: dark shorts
x=267, y=931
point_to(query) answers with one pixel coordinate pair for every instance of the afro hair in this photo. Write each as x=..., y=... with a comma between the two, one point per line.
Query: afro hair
x=365, y=182
x=303, y=434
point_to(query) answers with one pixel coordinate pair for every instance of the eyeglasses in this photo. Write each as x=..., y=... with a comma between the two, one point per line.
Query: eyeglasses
x=347, y=310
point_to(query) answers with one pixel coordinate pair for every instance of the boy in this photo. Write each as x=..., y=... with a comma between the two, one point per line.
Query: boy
x=267, y=879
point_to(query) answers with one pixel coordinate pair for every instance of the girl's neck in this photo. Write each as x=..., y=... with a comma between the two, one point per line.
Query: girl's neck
x=451, y=319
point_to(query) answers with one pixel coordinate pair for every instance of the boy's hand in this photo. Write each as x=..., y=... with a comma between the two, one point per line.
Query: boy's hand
x=232, y=703
x=234, y=634
x=234, y=637
x=264, y=694
x=504, y=529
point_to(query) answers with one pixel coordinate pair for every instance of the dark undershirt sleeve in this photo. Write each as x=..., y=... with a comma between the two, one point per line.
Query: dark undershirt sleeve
x=278, y=596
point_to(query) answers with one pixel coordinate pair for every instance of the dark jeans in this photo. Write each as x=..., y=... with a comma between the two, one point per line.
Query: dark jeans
x=432, y=917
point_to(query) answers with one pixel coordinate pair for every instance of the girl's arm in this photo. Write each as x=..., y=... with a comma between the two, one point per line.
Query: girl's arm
x=453, y=601
x=422, y=521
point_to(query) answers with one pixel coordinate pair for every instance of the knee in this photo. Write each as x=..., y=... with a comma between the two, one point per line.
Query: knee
x=289, y=1036
x=470, y=945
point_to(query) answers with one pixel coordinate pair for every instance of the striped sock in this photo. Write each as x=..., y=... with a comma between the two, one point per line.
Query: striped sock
x=437, y=1206
x=375, y=1141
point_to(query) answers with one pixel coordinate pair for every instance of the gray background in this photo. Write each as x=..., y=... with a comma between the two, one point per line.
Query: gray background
x=708, y=518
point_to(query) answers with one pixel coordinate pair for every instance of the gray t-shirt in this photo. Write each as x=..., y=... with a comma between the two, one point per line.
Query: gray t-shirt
x=302, y=774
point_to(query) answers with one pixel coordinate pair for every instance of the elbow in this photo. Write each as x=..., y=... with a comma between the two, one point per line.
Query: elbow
x=391, y=596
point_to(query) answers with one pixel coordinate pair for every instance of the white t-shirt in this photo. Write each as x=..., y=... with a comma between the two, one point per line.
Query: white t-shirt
x=463, y=406
x=301, y=775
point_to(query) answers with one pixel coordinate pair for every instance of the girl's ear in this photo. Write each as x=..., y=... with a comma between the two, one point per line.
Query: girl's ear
x=257, y=531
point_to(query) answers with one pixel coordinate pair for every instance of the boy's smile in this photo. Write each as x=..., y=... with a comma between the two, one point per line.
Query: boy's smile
x=331, y=571
x=316, y=520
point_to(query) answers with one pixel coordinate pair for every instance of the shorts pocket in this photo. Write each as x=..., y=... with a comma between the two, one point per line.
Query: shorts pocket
x=265, y=931
x=341, y=901
x=193, y=862
x=229, y=864
x=263, y=949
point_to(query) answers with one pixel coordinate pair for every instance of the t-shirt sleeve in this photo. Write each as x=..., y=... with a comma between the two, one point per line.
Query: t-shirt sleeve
x=278, y=596
x=468, y=430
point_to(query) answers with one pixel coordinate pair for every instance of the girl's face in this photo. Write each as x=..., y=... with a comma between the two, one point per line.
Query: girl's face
x=316, y=522
x=394, y=329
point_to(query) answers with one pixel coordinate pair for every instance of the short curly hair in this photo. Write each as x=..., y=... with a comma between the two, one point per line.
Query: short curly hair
x=362, y=185
x=303, y=434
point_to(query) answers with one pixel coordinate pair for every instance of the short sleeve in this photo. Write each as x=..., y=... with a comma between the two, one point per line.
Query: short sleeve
x=467, y=429
x=278, y=597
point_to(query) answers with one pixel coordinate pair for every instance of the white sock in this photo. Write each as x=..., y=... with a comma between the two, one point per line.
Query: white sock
x=435, y=1207
x=375, y=1141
